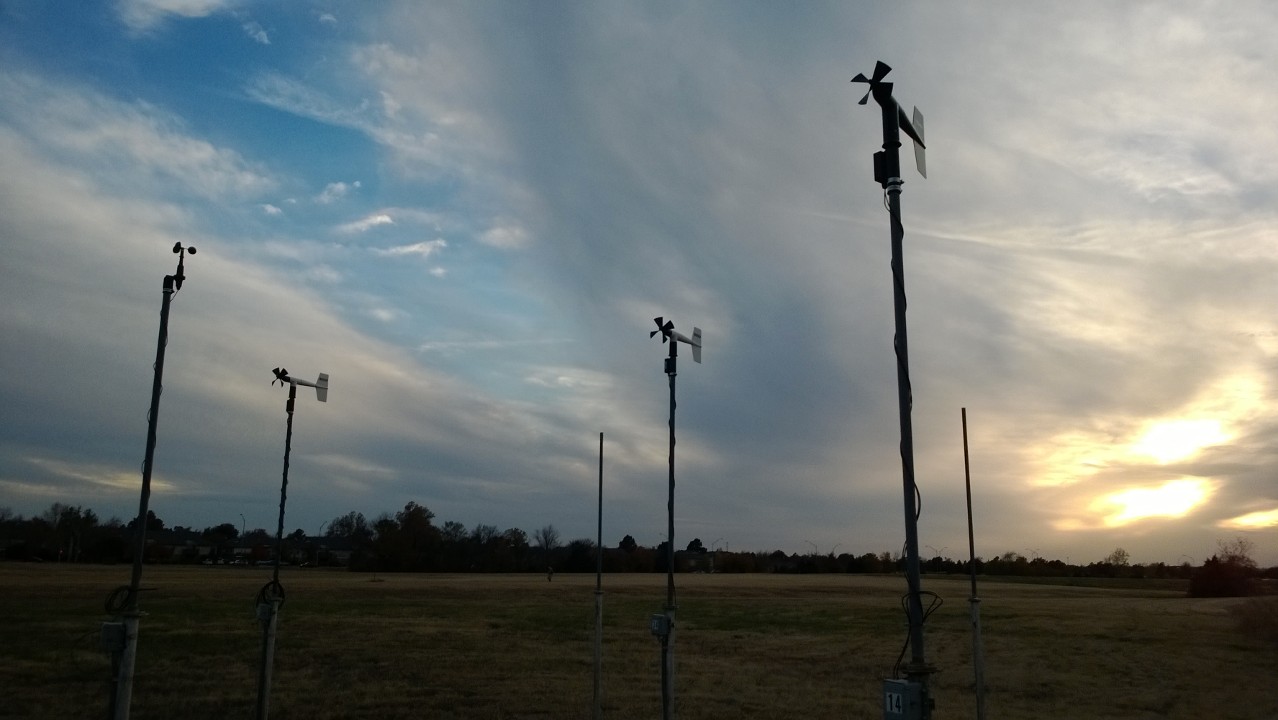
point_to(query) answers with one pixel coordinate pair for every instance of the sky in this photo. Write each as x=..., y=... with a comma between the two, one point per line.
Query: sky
x=469, y=213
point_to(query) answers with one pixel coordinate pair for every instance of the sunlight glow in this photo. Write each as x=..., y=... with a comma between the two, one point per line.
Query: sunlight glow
x=1173, y=499
x=1073, y=456
x=1171, y=440
x=1252, y=521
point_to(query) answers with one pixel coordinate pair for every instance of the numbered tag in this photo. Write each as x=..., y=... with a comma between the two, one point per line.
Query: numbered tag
x=894, y=703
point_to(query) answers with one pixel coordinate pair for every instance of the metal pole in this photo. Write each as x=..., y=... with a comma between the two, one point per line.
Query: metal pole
x=978, y=654
x=667, y=640
x=288, y=446
x=268, y=611
x=122, y=690
x=918, y=669
x=599, y=596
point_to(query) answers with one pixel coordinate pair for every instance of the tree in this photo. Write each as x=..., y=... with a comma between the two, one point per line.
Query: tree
x=514, y=549
x=546, y=538
x=352, y=526
x=1230, y=573
x=628, y=544
x=69, y=525
x=1119, y=558
x=153, y=522
x=483, y=534
x=453, y=532
x=581, y=555
x=695, y=546
x=1237, y=552
x=221, y=537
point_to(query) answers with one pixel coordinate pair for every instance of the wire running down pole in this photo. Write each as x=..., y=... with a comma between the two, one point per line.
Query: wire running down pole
x=120, y=637
x=662, y=626
x=918, y=669
x=887, y=172
x=667, y=639
x=271, y=597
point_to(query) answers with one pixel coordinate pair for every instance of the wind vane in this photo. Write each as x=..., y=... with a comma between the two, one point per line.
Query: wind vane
x=669, y=333
x=887, y=163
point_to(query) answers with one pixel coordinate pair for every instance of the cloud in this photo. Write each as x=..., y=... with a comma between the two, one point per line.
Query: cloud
x=141, y=15
x=425, y=248
x=327, y=18
x=335, y=191
x=505, y=236
x=385, y=315
x=92, y=130
x=1089, y=269
x=366, y=223
x=270, y=209
x=256, y=32
x=1252, y=521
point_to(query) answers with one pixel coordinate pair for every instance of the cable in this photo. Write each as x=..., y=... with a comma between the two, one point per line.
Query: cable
x=937, y=602
x=271, y=592
x=119, y=599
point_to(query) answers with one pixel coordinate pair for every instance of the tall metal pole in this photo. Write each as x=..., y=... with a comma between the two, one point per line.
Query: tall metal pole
x=918, y=669
x=272, y=595
x=667, y=639
x=887, y=172
x=121, y=637
x=599, y=595
x=978, y=653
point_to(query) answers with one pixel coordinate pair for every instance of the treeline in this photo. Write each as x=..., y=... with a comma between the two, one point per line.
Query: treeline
x=411, y=541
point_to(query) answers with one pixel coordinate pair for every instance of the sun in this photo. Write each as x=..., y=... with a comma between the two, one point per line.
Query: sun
x=1171, y=440
x=1171, y=500
x=1252, y=521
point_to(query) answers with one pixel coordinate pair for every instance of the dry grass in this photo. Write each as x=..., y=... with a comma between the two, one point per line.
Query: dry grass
x=515, y=646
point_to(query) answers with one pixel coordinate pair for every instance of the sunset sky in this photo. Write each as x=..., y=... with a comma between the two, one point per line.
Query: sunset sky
x=468, y=213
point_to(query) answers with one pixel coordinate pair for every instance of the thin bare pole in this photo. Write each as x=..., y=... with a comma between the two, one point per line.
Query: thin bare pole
x=978, y=653
x=599, y=595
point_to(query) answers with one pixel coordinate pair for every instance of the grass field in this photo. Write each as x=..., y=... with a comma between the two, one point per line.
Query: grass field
x=353, y=645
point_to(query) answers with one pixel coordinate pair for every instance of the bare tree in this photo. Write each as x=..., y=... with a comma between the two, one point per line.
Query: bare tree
x=546, y=538
x=1119, y=557
x=1238, y=552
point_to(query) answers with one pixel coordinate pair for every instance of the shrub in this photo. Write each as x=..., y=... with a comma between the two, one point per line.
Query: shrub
x=1222, y=578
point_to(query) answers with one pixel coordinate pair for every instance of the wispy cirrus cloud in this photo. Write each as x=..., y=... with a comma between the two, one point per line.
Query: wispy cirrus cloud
x=366, y=223
x=425, y=249
x=140, y=15
x=92, y=130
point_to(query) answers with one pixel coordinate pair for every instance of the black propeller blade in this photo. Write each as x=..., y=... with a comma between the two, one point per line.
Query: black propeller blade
x=881, y=69
x=281, y=376
x=665, y=329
